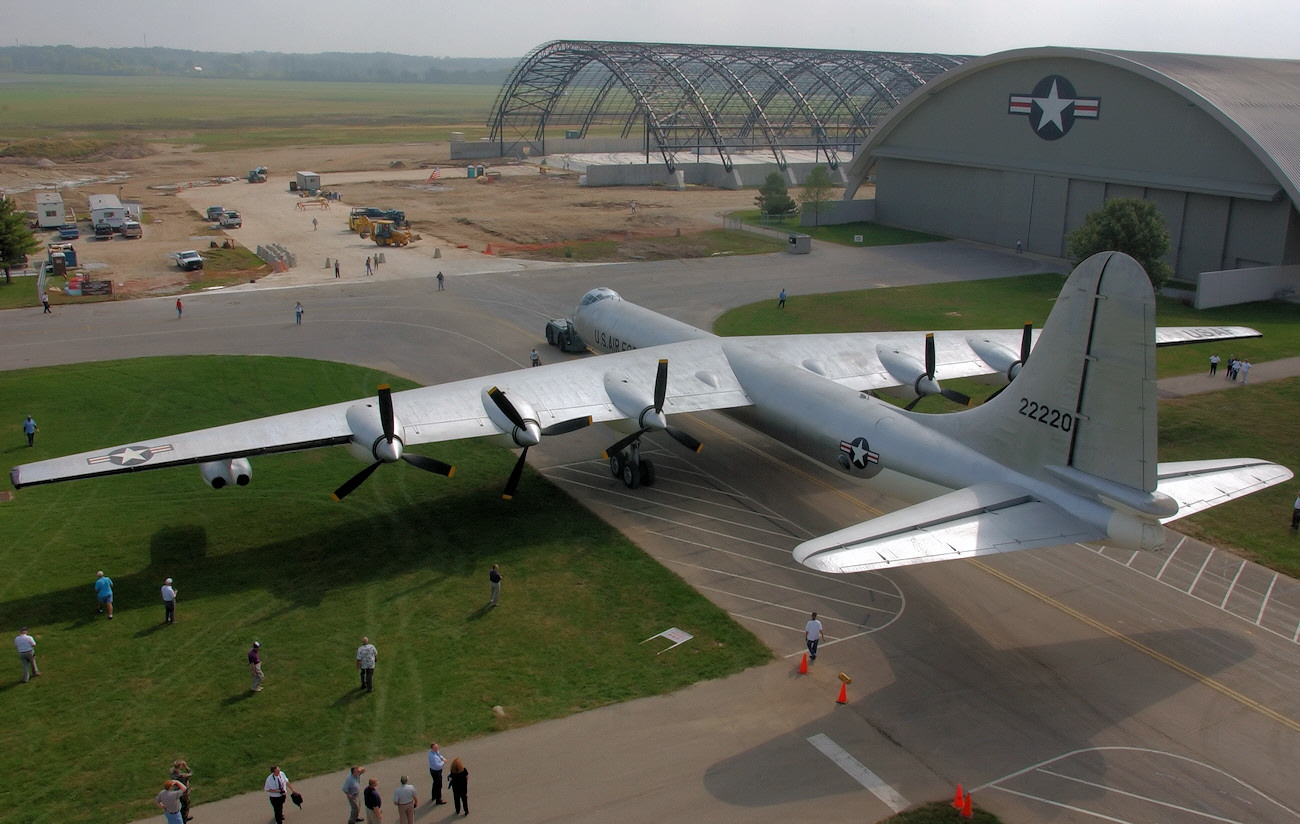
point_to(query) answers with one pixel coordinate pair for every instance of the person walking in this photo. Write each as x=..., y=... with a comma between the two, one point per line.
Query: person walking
x=352, y=789
x=297, y=313
x=30, y=429
x=374, y=804
x=366, y=655
x=277, y=787
x=169, y=602
x=336, y=267
x=440, y=280
x=313, y=224
x=1214, y=365
x=45, y=303
x=780, y=300
x=169, y=799
x=1244, y=368
x=534, y=358
x=104, y=593
x=458, y=780
x=1295, y=524
x=26, y=644
x=180, y=308
x=812, y=635
x=255, y=665
x=494, y=585
x=181, y=774
x=405, y=799
x=368, y=269
x=436, y=763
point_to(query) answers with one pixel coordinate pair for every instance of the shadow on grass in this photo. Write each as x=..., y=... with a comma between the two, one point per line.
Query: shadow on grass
x=473, y=529
x=232, y=700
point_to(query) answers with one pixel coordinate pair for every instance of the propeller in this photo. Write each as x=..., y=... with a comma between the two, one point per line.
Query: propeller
x=532, y=434
x=1026, y=343
x=660, y=393
x=387, y=448
x=927, y=385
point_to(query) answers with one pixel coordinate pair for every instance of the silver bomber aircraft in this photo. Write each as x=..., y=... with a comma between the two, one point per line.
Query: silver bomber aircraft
x=1067, y=453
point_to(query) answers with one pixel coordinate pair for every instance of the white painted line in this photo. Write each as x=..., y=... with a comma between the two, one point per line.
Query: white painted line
x=1172, y=553
x=1137, y=796
x=859, y=772
x=1062, y=806
x=1264, y=603
x=1232, y=586
x=1201, y=571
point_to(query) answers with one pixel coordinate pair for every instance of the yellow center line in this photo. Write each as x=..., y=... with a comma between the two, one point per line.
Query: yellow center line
x=1201, y=678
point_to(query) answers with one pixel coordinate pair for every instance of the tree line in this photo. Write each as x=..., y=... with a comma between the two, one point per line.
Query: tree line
x=327, y=66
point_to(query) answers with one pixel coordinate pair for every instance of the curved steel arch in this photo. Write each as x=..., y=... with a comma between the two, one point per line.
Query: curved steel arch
x=719, y=99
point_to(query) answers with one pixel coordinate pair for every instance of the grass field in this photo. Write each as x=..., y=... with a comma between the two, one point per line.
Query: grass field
x=403, y=560
x=845, y=234
x=70, y=115
x=1252, y=421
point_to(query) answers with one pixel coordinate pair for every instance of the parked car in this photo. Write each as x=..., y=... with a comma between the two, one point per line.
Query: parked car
x=132, y=229
x=103, y=231
x=189, y=260
x=69, y=231
x=215, y=212
x=231, y=220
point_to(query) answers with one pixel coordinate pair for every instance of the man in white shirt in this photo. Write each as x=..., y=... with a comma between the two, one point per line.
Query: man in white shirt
x=169, y=602
x=366, y=655
x=404, y=798
x=436, y=763
x=812, y=634
x=26, y=646
x=278, y=787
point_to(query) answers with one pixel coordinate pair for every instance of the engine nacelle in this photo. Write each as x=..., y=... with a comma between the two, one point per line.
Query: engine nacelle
x=217, y=474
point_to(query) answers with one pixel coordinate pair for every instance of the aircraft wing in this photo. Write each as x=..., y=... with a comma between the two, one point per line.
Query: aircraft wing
x=983, y=519
x=1198, y=485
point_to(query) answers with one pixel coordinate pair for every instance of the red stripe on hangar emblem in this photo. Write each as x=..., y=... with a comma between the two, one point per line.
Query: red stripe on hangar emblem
x=1052, y=107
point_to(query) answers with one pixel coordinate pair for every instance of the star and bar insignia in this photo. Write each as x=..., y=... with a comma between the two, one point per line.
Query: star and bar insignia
x=130, y=455
x=859, y=452
x=1052, y=107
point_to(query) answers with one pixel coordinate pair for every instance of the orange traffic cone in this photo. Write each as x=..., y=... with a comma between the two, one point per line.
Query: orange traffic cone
x=957, y=799
x=803, y=665
x=844, y=694
x=966, y=811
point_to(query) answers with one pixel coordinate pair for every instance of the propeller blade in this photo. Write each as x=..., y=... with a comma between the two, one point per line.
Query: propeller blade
x=684, y=439
x=428, y=464
x=996, y=392
x=1026, y=342
x=956, y=397
x=914, y=402
x=507, y=408
x=515, y=475
x=386, y=411
x=355, y=481
x=618, y=447
x=661, y=384
x=929, y=354
x=570, y=425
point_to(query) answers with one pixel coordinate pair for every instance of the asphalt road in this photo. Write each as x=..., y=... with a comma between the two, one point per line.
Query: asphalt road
x=1073, y=684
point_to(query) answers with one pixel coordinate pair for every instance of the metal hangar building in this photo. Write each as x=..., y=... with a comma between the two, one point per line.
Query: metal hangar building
x=1019, y=146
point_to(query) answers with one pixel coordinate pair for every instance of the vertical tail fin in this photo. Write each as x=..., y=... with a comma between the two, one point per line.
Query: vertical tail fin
x=1086, y=398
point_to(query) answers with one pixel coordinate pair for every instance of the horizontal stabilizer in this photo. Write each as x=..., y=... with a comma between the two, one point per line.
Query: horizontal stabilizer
x=1198, y=485
x=982, y=519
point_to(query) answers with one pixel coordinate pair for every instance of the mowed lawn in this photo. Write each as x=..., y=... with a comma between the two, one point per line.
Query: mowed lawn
x=1257, y=420
x=403, y=560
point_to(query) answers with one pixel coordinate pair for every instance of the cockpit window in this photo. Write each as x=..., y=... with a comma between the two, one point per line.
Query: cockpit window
x=599, y=293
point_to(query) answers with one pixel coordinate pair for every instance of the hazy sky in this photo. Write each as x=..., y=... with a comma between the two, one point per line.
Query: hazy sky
x=501, y=28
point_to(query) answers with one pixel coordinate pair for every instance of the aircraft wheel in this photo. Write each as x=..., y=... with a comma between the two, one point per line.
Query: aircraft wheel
x=631, y=476
x=647, y=473
x=616, y=464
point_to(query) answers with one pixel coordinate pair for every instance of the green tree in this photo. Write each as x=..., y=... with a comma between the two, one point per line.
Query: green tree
x=1129, y=225
x=16, y=240
x=817, y=192
x=773, y=197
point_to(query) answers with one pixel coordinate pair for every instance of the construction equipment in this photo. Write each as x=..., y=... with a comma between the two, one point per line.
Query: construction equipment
x=257, y=175
x=387, y=233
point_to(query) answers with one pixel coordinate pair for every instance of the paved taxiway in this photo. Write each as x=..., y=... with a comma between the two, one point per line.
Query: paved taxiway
x=1063, y=685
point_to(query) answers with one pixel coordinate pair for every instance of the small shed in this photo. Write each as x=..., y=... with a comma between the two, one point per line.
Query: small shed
x=50, y=213
x=307, y=181
x=106, y=210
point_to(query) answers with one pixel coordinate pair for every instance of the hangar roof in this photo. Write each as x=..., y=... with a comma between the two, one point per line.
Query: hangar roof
x=1256, y=99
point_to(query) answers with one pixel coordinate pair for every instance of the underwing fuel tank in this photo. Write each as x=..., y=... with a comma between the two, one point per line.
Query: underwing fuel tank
x=610, y=324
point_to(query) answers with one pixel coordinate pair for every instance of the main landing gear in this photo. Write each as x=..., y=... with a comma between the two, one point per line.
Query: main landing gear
x=628, y=466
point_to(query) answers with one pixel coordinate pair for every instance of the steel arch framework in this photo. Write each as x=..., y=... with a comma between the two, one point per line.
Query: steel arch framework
x=708, y=99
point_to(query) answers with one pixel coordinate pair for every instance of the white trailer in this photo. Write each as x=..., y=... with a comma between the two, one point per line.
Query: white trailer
x=308, y=181
x=106, y=210
x=50, y=212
